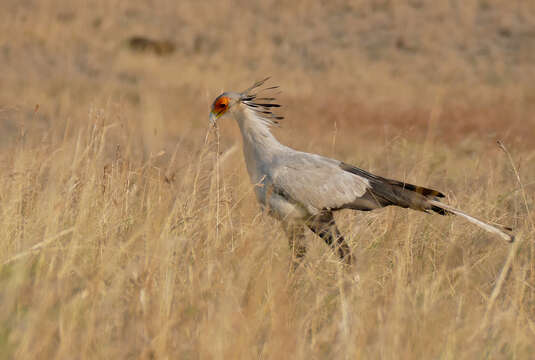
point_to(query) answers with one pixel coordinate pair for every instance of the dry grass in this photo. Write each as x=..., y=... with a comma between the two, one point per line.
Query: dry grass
x=122, y=239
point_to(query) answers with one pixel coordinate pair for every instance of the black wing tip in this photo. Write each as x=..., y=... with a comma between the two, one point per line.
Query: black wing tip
x=418, y=189
x=441, y=211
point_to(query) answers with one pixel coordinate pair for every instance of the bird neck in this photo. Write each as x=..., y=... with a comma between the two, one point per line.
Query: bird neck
x=260, y=148
x=256, y=130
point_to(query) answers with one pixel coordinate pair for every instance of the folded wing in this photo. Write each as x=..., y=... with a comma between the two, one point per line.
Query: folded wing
x=317, y=183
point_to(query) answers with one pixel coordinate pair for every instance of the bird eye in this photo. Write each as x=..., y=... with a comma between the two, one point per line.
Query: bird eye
x=221, y=104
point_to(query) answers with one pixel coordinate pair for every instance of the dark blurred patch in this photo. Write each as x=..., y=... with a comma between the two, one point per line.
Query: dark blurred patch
x=133, y=97
x=6, y=51
x=142, y=44
x=405, y=45
x=505, y=32
x=96, y=22
x=127, y=77
x=66, y=16
x=203, y=43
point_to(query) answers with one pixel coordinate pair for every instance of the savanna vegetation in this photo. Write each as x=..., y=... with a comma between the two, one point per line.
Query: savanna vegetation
x=130, y=229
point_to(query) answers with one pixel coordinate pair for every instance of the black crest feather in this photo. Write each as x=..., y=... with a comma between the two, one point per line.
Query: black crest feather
x=262, y=105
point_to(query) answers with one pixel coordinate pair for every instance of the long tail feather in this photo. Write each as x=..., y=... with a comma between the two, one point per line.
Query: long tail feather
x=473, y=220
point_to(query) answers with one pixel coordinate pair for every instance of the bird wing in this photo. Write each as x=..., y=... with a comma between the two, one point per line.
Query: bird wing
x=316, y=182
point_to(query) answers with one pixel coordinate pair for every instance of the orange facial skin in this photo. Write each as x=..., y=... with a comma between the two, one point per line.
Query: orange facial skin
x=220, y=105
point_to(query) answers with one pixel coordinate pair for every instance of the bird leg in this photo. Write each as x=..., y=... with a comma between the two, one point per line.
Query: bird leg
x=325, y=227
x=296, y=240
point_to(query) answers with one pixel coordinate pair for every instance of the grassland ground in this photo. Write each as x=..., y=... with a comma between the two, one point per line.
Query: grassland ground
x=130, y=230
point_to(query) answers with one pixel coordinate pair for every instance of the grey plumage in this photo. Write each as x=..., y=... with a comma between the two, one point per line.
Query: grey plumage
x=302, y=189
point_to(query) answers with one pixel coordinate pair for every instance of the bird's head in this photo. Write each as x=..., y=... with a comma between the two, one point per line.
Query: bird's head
x=223, y=104
x=227, y=102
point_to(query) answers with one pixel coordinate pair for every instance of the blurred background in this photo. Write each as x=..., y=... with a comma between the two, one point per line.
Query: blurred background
x=458, y=71
x=121, y=237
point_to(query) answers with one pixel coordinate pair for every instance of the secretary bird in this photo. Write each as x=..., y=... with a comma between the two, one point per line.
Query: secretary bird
x=302, y=189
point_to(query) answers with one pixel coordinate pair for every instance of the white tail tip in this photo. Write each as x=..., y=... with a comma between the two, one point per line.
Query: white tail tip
x=490, y=228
